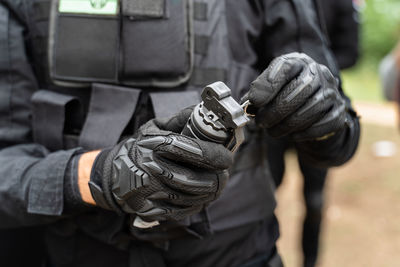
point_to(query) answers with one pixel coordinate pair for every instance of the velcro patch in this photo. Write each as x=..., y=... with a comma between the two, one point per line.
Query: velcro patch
x=94, y=7
x=144, y=8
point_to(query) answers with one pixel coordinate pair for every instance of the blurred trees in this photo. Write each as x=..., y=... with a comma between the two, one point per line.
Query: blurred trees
x=380, y=22
x=380, y=28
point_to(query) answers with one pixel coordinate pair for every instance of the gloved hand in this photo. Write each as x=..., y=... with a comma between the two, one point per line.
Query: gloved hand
x=298, y=97
x=160, y=174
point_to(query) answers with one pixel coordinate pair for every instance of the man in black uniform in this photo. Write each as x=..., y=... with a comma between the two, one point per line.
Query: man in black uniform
x=77, y=81
x=343, y=27
x=339, y=19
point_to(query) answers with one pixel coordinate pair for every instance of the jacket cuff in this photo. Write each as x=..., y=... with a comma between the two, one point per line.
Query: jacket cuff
x=100, y=185
x=73, y=201
x=336, y=150
x=46, y=193
x=96, y=180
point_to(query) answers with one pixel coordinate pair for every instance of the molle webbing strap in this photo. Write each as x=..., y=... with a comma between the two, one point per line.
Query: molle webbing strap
x=5, y=67
x=144, y=8
x=204, y=76
x=200, y=11
x=49, y=113
x=41, y=10
x=168, y=104
x=201, y=43
x=70, y=141
x=110, y=110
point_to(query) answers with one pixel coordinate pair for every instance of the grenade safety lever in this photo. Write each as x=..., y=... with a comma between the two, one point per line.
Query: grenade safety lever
x=219, y=119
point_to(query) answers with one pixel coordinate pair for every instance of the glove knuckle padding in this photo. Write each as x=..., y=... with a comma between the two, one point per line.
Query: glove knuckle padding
x=188, y=180
x=333, y=109
x=298, y=97
x=131, y=185
x=198, y=153
x=272, y=80
x=332, y=122
x=148, y=197
x=165, y=175
x=176, y=147
x=330, y=79
x=314, y=109
x=291, y=98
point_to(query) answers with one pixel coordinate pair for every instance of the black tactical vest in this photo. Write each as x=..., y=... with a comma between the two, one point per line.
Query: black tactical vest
x=96, y=62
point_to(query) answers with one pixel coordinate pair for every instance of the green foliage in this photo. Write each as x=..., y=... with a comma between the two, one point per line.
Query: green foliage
x=380, y=33
x=362, y=83
x=380, y=28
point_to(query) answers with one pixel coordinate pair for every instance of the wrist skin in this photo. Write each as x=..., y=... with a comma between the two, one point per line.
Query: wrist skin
x=85, y=165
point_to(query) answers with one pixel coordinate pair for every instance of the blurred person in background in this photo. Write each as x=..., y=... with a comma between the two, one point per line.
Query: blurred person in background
x=389, y=72
x=339, y=20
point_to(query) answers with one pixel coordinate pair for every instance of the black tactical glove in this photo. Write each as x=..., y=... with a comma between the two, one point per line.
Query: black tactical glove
x=298, y=97
x=160, y=175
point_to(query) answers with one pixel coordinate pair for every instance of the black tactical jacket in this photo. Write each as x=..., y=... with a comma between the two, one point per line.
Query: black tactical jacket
x=342, y=24
x=241, y=223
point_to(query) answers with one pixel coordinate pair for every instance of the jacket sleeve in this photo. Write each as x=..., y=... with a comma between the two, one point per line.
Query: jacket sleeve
x=344, y=33
x=31, y=178
x=292, y=26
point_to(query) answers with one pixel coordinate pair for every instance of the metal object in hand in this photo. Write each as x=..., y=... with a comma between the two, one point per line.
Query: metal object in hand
x=219, y=119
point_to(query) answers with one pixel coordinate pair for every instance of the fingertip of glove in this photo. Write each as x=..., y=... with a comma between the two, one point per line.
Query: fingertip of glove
x=257, y=94
x=244, y=98
x=218, y=156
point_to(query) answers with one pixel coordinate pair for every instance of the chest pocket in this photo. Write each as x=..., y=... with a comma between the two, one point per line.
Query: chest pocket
x=131, y=42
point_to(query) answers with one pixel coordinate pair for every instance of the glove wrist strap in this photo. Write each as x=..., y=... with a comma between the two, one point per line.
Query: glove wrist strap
x=100, y=185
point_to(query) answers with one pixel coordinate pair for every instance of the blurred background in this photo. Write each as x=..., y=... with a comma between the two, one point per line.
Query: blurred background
x=361, y=225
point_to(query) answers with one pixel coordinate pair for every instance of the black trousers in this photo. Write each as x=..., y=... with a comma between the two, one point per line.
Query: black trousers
x=314, y=181
x=22, y=247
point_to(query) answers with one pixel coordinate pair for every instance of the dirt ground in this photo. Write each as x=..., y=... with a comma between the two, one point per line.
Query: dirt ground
x=362, y=209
